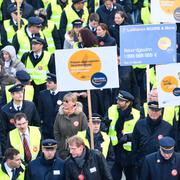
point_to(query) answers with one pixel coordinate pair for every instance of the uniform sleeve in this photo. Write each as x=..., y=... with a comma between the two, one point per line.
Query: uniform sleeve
x=105, y=170
x=51, y=65
x=35, y=117
x=110, y=156
x=15, y=43
x=56, y=38
x=63, y=25
x=49, y=12
x=145, y=174
x=28, y=175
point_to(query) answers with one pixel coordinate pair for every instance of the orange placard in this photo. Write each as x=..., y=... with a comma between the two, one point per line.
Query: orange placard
x=168, y=6
x=169, y=83
x=83, y=64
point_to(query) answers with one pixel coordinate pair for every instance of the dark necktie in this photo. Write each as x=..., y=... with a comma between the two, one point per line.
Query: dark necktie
x=18, y=108
x=53, y=93
x=13, y=174
x=27, y=152
x=36, y=57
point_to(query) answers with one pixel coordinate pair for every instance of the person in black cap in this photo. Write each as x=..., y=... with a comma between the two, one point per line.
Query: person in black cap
x=22, y=77
x=10, y=26
x=75, y=11
x=22, y=39
x=148, y=132
x=71, y=36
x=39, y=61
x=123, y=117
x=102, y=141
x=49, y=101
x=163, y=164
x=18, y=104
x=48, y=166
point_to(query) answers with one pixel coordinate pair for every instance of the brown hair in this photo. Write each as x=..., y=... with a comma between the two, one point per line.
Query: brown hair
x=88, y=38
x=10, y=153
x=94, y=17
x=19, y=116
x=104, y=27
x=78, y=141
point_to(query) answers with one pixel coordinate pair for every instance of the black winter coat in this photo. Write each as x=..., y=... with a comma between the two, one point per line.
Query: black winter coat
x=107, y=40
x=156, y=167
x=41, y=169
x=94, y=168
x=146, y=140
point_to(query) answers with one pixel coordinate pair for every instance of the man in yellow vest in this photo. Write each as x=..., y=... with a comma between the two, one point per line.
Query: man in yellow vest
x=10, y=26
x=123, y=119
x=102, y=141
x=72, y=12
x=22, y=77
x=23, y=37
x=38, y=62
x=12, y=168
x=25, y=138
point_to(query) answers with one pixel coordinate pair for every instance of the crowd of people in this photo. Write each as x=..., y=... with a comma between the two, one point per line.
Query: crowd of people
x=46, y=133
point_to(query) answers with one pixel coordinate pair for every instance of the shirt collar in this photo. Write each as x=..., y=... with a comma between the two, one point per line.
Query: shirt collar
x=26, y=133
x=8, y=169
x=15, y=105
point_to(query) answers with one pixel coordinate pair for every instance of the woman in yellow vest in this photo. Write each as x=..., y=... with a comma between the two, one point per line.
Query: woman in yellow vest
x=49, y=30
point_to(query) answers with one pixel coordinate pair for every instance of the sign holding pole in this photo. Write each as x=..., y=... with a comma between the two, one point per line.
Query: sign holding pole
x=86, y=69
x=18, y=13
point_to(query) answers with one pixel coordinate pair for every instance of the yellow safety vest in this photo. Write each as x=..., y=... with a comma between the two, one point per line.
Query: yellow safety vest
x=4, y=176
x=35, y=138
x=10, y=30
x=72, y=15
x=24, y=43
x=152, y=76
x=47, y=31
x=56, y=13
x=38, y=73
x=1, y=1
x=128, y=125
x=145, y=13
x=104, y=144
x=46, y=3
x=168, y=114
x=28, y=93
x=141, y=66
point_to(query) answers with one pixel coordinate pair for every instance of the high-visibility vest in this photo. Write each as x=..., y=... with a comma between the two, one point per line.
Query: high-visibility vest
x=134, y=1
x=46, y=3
x=141, y=66
x=38, y=73
x=1, y=1
x=152, y=76
x=4, y=176
x=56, y=13
x=75, y=45
x=34, y=139
x=128, y=125
x=168, y=115
x=104, y=144
x=10, y=30
x=28, y=93
x=72, y=15
x=24, y=43
x=145, y=13
x=47, y=31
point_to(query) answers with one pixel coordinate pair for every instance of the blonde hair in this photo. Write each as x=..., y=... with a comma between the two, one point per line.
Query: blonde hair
x=78, y=141
x=70, y=97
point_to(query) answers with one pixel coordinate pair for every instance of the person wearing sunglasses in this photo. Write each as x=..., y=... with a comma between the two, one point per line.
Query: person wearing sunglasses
x=69, y=120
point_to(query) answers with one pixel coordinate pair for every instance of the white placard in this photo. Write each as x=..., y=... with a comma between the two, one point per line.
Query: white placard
x=168, y=81
x=87, y=68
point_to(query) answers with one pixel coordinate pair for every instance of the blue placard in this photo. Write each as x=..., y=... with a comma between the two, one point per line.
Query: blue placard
x=147, y=44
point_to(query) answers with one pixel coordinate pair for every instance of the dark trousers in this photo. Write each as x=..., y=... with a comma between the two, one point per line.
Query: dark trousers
x=129, y=171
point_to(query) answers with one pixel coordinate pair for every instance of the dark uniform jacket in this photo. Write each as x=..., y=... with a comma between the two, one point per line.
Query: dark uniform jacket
x=107, y=40
x=146, y=137
x=42, y=169
x=107, y=16
x=8, y=111
x=48, y=108
x=93, y=166
x=155, y=167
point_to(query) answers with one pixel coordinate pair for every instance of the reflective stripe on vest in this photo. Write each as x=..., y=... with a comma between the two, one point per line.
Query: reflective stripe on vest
x=56, y=13
x=72, y=15
x=24, y=43
x=10, y=30
x=145, y=15
x=4, y=176
x=34, y=139
x=104, y=144
x=38, y=73
x=128, y=125
x=28, y=90
x=96, y=4
x=169, y=113
x=47, y=31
